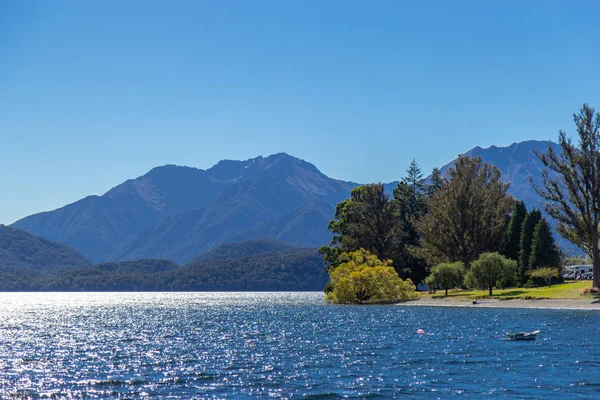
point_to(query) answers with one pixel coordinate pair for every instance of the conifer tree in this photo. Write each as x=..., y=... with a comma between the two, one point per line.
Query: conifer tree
x=414, y=179
x=529, y=224
x=436, y=182
x=512, y=238
x=544, y=252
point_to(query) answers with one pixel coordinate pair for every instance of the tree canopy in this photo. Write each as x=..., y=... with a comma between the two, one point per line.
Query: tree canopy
x=531, y=220
x=512, y=239
x=571, y=186
x=446, y=275
x=467, y=216
x=371, y=220
x=489, y=269
x=361, y=278
x=545, y=273
x=368, y=220
x=544, y=252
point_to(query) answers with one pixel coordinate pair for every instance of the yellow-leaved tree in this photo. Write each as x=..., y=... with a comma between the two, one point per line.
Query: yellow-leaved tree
x=362, y=278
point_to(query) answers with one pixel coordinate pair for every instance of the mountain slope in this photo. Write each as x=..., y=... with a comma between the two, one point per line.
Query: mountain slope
x=23, y=251
x=278, y=196
x=518, y=164
x=261, y=264
x=296, y=269
x=99, y=225
x=241, y=249
x=180, y=212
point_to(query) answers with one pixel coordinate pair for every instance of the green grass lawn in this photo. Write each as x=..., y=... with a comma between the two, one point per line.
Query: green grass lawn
x=569, y=290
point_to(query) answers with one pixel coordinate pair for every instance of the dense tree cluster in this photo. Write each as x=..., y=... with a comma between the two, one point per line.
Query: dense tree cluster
x=371, y=219
x=465, y=226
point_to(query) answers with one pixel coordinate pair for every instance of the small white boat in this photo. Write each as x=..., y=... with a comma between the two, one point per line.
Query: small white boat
x=513, y=336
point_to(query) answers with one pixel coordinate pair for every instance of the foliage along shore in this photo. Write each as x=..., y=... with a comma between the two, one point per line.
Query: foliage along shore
x=465, y=230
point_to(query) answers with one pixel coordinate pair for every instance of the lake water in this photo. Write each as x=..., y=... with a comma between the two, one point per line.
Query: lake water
x=282, y=345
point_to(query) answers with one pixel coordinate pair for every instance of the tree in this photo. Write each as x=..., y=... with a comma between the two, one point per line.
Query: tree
x=488, y=269
x=577, y=260
x=546, y=273
x=571, y=186
x=362, y=278
x=529, y=224
x=436, y=182
x=368, y=220
x=467, y=216
x=414, y=179
x=512, y=238
x=411, y=204
x=544, y=252
x=446, y=275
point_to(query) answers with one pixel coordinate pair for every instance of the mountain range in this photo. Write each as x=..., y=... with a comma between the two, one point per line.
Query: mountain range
x=179, y=213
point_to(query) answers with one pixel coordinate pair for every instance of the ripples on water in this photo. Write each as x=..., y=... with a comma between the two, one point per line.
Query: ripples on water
x=245, y=345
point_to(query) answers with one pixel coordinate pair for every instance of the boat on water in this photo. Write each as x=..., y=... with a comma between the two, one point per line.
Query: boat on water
x=513, y=336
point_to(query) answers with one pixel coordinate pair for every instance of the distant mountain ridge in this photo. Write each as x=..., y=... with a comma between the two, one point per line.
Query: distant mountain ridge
x=518, y=164
x=178, y=213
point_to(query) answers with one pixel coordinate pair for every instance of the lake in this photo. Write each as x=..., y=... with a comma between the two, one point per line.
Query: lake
x=282, y=345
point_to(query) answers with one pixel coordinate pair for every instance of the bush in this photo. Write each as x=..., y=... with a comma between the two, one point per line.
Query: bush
x=489, y=269
x=362, y=279
x=446, y=275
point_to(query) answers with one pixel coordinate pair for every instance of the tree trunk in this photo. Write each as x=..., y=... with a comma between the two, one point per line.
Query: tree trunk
x=595, y=261
x=446, y=291
x=491, y=289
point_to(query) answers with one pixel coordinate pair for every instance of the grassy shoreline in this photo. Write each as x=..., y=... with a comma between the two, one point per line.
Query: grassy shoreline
x=572, y=290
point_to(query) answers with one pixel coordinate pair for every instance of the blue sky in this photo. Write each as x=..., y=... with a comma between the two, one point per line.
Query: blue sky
x=94, y=93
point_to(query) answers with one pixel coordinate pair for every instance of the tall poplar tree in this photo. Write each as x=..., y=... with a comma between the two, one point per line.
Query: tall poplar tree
x=544, y=252
x=571, y=186
x=533, y=217
x=512, y=238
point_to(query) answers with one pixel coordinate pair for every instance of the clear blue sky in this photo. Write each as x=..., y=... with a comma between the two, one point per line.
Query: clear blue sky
x=95, y=92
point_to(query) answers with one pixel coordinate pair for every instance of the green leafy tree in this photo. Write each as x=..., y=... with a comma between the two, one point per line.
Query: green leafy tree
x=368, y=220
x=489, y=269
x=544, y=252
x=361, y=278
x=571, y=186
x=546, y=273
x=467, y=216
x=577, y=260
x=446, y=275
x=529, y=224
x=512, y=238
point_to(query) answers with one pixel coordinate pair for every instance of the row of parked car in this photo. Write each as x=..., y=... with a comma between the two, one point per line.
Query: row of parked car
x=586, y=276
x=578, y=272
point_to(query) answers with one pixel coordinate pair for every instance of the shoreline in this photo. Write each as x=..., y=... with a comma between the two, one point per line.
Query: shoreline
x=550, y=304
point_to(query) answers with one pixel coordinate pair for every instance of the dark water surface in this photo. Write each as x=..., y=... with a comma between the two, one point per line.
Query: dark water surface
x=282, y=345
